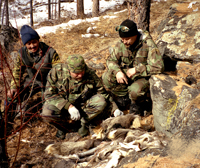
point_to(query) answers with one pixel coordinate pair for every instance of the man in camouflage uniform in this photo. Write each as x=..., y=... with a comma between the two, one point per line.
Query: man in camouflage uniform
x=75, y=92
x=32, y=65
x=131, y=63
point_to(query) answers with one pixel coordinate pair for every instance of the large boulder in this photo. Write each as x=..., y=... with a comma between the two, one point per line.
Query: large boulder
x=8, y=36
x=176, y=96
x=176, y=106
x=179, y=34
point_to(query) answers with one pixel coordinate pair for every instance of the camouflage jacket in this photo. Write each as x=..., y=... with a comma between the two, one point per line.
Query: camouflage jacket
x=144, y=56
x=31, y=68
x=62, y=90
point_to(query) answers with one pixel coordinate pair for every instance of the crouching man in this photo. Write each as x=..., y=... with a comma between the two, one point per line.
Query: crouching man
x=131, y=63
x=75, y=92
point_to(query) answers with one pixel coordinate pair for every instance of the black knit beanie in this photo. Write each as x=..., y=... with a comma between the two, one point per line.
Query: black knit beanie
x=131, y=25
x=27, y=34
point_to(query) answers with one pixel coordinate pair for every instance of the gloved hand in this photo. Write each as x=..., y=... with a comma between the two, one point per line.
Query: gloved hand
x=74, y=113
x=118, y=112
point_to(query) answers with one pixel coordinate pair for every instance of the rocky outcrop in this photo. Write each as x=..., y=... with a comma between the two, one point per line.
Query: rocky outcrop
x=176, y=106
x=176, y=95
x=179, y=34
x=8, y=36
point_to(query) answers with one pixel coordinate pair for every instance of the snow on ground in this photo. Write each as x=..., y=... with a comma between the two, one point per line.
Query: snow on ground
x=17, y=19
x=52, y=29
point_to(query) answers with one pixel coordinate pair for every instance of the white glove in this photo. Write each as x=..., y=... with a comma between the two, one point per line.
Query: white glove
x=118, y=112
x=74, y=113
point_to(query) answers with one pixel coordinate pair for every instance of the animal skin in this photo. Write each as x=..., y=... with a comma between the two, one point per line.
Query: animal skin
x=116, y=140
x=124, y=121
x=69, y=148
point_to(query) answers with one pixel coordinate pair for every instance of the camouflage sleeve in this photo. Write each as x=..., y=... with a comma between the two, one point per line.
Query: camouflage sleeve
x=113, y=60
x=155, y=63
x=99, y=86
x=106, y=95
x=55, y=59
x=17, y=71
x=52, y=94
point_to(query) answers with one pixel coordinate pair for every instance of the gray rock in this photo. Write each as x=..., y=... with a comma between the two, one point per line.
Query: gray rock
x=8, y=36
x=176, y=107
x=179, y=35
x=99, y=66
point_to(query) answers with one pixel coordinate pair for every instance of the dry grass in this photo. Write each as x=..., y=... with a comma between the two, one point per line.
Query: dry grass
x=67, y=42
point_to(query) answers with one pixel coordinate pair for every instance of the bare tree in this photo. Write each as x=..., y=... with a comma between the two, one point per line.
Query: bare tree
x=0, y=6
x=95, y=8
x=31, y=12
x=49, y=9
x=55, y=9
x=52, y=9
x=80, y=9
x=139, y=12
x=7, y=13
x=58, y=9
x=3, y=13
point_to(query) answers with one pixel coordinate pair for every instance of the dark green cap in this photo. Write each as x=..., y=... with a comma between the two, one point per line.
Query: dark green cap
x=76, y=63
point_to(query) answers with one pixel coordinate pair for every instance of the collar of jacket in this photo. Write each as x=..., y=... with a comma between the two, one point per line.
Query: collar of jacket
x=143, y=36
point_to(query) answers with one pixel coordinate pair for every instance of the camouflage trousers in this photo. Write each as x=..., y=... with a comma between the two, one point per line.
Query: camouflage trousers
x=90, y=109
x=136, y=89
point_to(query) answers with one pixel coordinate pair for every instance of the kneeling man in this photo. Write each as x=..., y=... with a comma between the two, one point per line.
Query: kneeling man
x=75, y=92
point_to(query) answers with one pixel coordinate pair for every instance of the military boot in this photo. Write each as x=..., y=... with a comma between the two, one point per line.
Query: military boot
x=60, y=134
x=134, y=108
x=84, y=130
x=122, y=101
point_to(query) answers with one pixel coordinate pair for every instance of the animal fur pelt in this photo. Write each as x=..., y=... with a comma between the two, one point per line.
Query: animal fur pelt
x=122, y=124
x=117, y=139
x=124, y=121
x=68, y=148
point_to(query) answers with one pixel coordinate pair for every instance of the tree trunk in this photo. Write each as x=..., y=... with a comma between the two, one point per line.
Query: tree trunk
x=31, y=12
x=0, y=7
x=139, y=12
x=49, y=9
x=7, y=13
x=52, y=9
x=58, y=9
x=80, y=9
x=55, y=9
x=95, y=8
x=3, y=13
